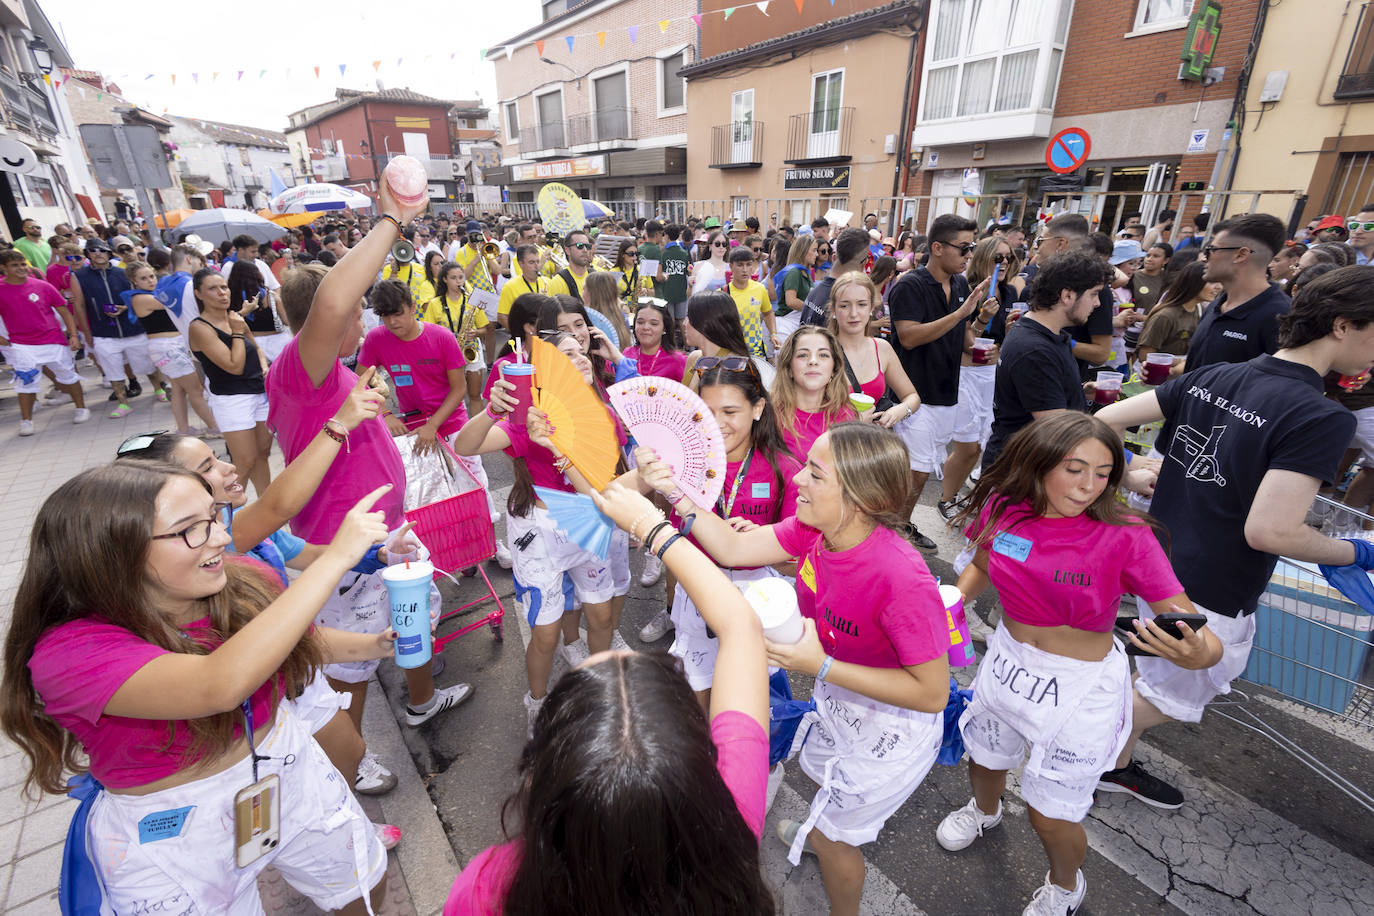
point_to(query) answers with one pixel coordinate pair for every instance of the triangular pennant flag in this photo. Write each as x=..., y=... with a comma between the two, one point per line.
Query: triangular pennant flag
x=482, y=54
x=634, y=33
x=240, y=76
x=148, y=77
x=342, y=68
x=510, y=51
x=214, y=76
x=99, y=96
x=261, y=74
x=82, y=90
x=317, y=72
x=569, y=40
x=601, y=39
x=47, y=77
x=799, y=5
x=174, y=81
x=195, y=78
x=376, y=64
x=539, y=47
x=763, y=6
x=697, y=19
x=729, y=11
x=663, y=24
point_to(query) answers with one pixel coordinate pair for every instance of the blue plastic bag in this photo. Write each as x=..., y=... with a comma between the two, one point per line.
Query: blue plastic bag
x=952, y=744
x=78, y=889
x=784, y=715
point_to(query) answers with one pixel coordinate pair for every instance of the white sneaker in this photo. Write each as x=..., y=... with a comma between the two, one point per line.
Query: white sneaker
x=81, y=415
x=373, y=778
x=658, y=627
x=775, y=776
x=56, y=396
x=960, y=828
x=503, y=555
x=618, y=643
x=653, y=568
x=532, y=707
x=26, y=427
x=576, y=653
x=978, y=630
x=1052, y=900
x=445, y=698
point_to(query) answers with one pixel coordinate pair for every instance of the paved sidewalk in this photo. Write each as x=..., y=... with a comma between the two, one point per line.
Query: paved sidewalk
x=32, y=831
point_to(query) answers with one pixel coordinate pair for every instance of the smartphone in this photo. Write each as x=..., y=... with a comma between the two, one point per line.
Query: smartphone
x=257, y=820
x=996, y=275
x=1167, y=622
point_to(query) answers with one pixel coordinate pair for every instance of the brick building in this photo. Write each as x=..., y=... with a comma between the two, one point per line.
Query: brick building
x=607, y=118
x=1000, y=79
x=798, y=111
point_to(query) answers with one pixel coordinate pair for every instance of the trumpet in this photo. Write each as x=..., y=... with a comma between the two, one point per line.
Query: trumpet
x=491, y=250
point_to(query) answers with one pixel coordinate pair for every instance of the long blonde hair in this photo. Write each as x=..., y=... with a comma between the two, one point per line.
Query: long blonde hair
x=835, y=397
x=601, y=291
x=871, y=464
x=852, y=278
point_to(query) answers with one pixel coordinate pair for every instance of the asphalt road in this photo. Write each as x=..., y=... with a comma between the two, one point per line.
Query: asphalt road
x=1261, y=833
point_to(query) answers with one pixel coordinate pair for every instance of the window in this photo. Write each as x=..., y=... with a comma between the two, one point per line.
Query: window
x=43, y=195
x=512, y=122
x=554, y=8
x=994, y=57
x=610, y=98
x=672, y=88
x=827, y=91
x=1158, y=15
x=550, y=133
x=1357, y=76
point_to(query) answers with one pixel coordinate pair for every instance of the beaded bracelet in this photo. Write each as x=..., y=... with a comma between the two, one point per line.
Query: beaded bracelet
x=649, y=514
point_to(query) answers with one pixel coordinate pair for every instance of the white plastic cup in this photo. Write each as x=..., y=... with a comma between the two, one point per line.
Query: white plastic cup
x=408, y=588
x=775, y=603
x=861, y=403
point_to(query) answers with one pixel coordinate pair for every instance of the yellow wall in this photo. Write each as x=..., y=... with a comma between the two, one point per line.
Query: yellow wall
x=1281, y=148
x=875, y=68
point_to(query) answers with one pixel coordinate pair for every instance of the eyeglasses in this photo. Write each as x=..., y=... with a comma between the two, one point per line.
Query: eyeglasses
x=138, y=443
x=581, y=246
x=1355, y=226
x=195, y=535
x=1208, y=249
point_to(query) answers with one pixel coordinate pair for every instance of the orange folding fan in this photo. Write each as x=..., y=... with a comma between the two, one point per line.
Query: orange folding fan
x=583, y=430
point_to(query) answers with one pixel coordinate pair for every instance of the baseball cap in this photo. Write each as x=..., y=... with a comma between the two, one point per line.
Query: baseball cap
x=120, y=240
x=874, y=234
x=711, y=223
x=1126, y=250
x=1332, y=222
x=473, y=226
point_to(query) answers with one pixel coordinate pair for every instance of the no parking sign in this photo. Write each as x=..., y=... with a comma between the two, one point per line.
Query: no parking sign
x=1068, y=150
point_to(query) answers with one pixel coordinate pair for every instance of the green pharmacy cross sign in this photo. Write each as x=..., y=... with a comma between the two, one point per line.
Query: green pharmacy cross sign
x=1204, y=31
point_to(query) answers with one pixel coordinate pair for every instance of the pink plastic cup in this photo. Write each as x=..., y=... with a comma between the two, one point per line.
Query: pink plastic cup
x=521, y=375
x=406, y=178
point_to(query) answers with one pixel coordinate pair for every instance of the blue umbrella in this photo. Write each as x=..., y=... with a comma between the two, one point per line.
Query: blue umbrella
x=596, y=210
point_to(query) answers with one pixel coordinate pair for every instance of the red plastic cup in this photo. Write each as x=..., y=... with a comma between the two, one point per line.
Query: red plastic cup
x=1108, y=387
x=982, y=346
x=521, y=375
x=1155, y=370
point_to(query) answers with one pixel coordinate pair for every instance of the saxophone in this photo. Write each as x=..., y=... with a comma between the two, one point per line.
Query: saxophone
x=467, y=333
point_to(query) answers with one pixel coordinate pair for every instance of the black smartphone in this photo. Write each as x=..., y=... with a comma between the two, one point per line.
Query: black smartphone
x=1167, y=622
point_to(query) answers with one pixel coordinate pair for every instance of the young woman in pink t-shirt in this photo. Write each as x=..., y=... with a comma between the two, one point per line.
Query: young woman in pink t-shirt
x=810, y=393
x=1053, y=690
x=874, y=638
x=653, y=350
x=540, y=553
x=630, y=797
x=138, y=641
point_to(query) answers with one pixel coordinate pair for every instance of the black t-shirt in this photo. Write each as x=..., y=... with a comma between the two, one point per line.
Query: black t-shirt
x=1037, y=372
x=932, y=367
x=1231, y=424
x=816, y=309
x=1099, y=324
x=1248, y=330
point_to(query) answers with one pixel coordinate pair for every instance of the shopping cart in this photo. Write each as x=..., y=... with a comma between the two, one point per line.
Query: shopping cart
x=1312, y=644
x=458, y=533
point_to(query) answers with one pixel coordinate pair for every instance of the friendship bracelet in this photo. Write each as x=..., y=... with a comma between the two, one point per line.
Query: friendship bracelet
x=687, y=523
x=391, y=219
x=341, y=440
x=495, y=417
x=653, y=533
x=825, y=668
x=668, y=543
x=562, y=464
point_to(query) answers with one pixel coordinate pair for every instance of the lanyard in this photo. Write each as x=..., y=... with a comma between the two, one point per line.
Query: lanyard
x=247, y=708
x=727, y=507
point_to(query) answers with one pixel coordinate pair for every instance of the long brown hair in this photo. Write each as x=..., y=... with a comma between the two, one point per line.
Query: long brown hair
x=88, y=555
x=871, y=464
x=835, y=397
x=1018, y=476
x=601, y=291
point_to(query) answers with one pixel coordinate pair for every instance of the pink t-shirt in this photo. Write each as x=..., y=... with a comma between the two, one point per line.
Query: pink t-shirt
x=664, y=364
x=742, y=761
x=807, y=428
x=495, y=373
x=538, y=459
x=78, y=666
x=875, y=604
x=27, y=310
x=756, y=497
x=419, y=371
x=59, y=275
x=297, y=411
x=1046, y=578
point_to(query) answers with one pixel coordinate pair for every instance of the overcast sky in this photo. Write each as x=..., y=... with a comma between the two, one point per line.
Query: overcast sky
x=128, y=42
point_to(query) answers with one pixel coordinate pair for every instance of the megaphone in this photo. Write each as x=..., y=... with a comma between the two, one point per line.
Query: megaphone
x=402, y=252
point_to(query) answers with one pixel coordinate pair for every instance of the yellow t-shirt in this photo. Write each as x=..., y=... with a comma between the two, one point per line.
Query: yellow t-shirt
x=433, y=312
x=558, y=286
x=515, y=288
x=753, y=304
x=413, y=275
x=466, y=257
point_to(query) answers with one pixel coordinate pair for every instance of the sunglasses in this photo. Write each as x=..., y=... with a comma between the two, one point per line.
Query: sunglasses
x=125, y=249
x=755, y=250
x=962, y=249
x=1355, y=225
x=720, y=244
x=139, y=443
x=999, y=259
x=581, y=246
x=729, y=363
x=1208, y=249
x=72, y=257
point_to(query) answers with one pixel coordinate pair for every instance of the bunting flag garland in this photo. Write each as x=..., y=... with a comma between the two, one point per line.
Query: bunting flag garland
x=376, y=64
x=633, y=30
x=729, y=11
x=240, y=74
x=762, y=6
x=569, y=40
x=697, y=19
x=342, y=67
x=601, y=39
x=539, y=47
x=799, y=5
x=317, y=72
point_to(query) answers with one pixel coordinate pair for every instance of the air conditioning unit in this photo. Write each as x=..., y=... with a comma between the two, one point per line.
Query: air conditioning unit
x=459, y=170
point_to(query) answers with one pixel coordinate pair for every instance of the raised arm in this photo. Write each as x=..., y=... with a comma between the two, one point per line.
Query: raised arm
x=232, y=358
x=480, y=434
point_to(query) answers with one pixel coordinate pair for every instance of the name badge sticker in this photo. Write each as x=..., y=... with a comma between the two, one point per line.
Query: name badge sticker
x=759, y=490
x=1009, y=545
x=163, y=825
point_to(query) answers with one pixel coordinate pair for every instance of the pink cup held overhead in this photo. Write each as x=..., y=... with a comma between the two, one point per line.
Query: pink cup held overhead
x=406, y=178
x=960, y=642
x=521, y=375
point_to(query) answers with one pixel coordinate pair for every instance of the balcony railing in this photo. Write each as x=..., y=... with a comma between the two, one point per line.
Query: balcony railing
x=604, y=129
x=821, y=135
x=737, y=145
x=26, y=108
x=1357, y=76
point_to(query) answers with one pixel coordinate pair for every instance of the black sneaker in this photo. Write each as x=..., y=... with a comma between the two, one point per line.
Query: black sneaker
x=112, y=397
x=948, y=508
x=133, y=388
x=919, y=540
x=1133, y=780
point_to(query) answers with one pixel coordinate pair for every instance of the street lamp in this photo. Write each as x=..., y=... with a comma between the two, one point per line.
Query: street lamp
x=559, y=63
x=42, y=54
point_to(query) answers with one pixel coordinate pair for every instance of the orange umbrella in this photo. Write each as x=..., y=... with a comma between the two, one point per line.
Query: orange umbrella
x=173, y=218
x=289, y=220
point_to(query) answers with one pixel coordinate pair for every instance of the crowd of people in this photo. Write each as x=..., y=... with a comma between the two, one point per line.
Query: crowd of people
x=199, y=660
